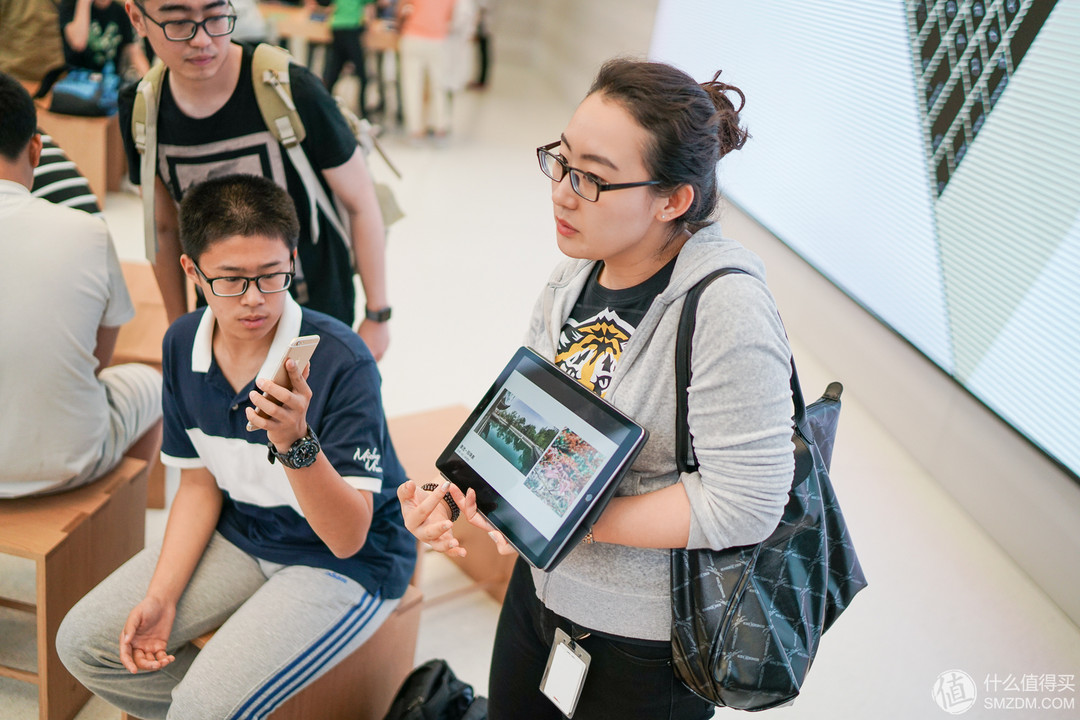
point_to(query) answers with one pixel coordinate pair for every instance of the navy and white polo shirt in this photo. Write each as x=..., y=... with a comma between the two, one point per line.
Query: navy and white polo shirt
x=206, y=426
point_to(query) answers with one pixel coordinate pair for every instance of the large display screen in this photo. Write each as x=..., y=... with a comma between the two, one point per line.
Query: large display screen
x=924, y=155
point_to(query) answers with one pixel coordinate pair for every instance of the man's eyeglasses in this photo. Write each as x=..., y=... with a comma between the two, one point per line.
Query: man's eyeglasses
x=234, y=286
x=585, y=184
x=181, y=30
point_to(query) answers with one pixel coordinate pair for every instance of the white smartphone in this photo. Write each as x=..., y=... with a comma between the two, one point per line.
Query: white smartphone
x=299, y=350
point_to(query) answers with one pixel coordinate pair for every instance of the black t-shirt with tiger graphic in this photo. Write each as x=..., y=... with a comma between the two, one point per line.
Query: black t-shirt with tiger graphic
x=600, y=325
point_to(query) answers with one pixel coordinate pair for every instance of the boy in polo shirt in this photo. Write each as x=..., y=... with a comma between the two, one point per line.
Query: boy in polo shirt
x=301, y=557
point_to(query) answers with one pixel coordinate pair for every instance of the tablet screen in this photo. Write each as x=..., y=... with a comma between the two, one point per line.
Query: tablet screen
x=543, y=455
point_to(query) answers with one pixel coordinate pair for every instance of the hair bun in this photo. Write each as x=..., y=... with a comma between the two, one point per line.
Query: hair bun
x=732, y=135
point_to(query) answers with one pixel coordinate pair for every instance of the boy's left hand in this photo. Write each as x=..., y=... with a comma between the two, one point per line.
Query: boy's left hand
x=286, y=422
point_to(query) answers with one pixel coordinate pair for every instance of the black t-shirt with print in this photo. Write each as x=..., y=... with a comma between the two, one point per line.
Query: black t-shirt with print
x=110, y=33
x=600, y=325
x=235, y=140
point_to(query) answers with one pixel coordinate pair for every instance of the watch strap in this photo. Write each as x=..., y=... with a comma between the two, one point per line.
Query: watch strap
x=287, y=458
x=455, y=511
x=381, y=315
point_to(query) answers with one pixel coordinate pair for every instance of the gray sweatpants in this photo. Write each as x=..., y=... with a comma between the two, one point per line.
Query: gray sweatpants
x=284, y=625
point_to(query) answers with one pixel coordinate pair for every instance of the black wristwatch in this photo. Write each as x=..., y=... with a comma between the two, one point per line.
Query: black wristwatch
x=379, y=316
x=301, y=454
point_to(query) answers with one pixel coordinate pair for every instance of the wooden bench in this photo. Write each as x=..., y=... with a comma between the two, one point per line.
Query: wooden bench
x=75, y=538
x=419, y=438
x=140, y=338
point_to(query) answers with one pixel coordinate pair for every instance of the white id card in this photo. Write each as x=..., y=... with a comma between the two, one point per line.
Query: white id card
x=564, y=675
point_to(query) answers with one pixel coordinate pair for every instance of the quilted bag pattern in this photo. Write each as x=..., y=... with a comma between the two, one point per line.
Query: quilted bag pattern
x=747, y=621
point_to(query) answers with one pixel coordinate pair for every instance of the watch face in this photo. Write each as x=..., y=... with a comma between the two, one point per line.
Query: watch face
x=377, y=315
x=304, y=454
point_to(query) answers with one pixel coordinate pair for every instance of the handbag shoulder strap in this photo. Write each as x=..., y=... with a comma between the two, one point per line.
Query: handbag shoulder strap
x=685, y=457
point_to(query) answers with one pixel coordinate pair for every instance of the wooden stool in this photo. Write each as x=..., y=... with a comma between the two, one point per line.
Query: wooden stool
x=419, y=439
x=362, y=686
x=139, y=341
x=140, y=338
x=75, y=538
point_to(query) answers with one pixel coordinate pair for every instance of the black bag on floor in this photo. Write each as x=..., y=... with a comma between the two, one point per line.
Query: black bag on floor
x=433, y=692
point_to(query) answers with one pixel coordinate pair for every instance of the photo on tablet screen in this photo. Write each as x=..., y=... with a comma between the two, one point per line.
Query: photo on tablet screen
x=512, y=445
x=543, y=455
x=515, y=431
x=566, y=468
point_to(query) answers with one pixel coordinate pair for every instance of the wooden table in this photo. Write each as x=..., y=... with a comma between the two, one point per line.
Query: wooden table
x=295, y=28
x=296, y=21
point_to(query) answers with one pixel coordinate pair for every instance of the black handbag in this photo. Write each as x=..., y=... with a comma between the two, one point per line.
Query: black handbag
x=746, y=621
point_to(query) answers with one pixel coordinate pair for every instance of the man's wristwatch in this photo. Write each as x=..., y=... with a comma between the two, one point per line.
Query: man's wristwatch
x=301, y=454
x=379, y=316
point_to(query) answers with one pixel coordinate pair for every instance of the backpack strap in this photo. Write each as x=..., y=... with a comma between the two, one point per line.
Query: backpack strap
x=685, y=457
x=273, y=94
x=144, y=116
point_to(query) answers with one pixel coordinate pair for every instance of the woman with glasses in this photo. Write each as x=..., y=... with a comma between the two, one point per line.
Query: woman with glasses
x=634, y=195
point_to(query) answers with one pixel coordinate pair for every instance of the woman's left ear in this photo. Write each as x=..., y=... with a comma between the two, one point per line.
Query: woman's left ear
x=678, y=202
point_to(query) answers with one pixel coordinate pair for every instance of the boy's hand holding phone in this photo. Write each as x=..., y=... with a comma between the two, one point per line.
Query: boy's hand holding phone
x=280, y=411
x=281, y=408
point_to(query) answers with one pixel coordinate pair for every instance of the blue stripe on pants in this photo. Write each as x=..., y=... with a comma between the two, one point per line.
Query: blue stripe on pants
x=316, y=657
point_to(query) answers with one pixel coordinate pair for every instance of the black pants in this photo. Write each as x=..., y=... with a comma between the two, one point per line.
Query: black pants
x=347, y=45
x=628, y=678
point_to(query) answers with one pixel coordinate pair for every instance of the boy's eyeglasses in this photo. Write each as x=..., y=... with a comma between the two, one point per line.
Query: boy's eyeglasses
x=234, y=286
x=585, y=184
x=181, y=30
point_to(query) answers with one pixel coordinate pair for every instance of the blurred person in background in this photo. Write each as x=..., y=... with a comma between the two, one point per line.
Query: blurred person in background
x=425, y=25
x=97, y=33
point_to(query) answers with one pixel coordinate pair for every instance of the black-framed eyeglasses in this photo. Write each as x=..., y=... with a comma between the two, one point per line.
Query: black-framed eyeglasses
x=181, y=30
x=235, y=285
x=585, y=184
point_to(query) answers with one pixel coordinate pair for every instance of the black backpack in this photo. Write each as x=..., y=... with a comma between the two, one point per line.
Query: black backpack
x=433, y=692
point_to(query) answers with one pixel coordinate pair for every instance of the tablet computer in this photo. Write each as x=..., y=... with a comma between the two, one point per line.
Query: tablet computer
x=544, y=455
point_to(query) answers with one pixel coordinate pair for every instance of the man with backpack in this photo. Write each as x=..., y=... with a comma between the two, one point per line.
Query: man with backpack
x=205, y=114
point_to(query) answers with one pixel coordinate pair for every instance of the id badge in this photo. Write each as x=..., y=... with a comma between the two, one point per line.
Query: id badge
x=564, y=676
